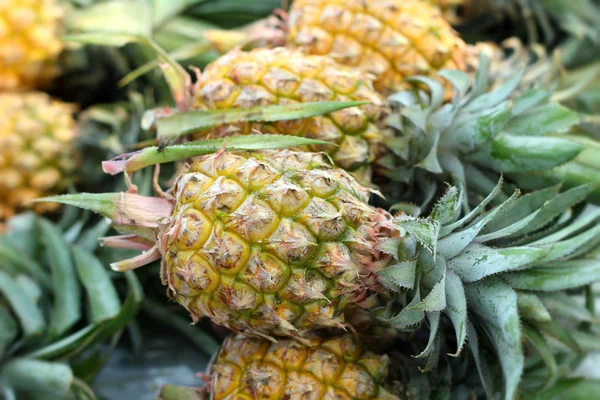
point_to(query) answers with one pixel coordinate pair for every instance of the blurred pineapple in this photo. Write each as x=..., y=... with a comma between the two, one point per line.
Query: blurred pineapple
x=37, y=149
x=29, y=42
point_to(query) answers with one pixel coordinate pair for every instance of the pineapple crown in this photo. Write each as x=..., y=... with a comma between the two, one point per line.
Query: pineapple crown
x=496, y=273
x=49, y=276
x=522, y=132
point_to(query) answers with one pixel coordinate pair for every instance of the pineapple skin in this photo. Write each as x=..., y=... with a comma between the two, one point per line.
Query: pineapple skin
x=283, y=76
x=272, y=243
x=37, y=150
x=336, y=368
x=29, y=43
x=390, y=39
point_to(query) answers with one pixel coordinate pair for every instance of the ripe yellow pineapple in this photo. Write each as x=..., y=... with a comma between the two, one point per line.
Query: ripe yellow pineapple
x=37, y=149
x=271, y=243
x=283, y=76
x=336, y=368
x=29, y=42
x=391, y=39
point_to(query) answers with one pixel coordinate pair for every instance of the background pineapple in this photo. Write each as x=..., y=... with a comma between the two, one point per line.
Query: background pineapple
x=29, y=43
x=324, y=368
x=37, y=149
x=391, y=39
x=281, y=76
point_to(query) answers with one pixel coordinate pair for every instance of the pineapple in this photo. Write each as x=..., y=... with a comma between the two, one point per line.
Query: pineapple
x=331, y=368
x=391, y=39
x=282, y=76
x=279, y=243
x=29, y=42
x=37, y=149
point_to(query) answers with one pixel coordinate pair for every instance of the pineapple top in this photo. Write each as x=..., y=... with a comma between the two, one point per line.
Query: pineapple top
x=272, y=242
x=37, y=152
x=282, y=76
x=28, y=42
x=392, y=39
x=335, y=368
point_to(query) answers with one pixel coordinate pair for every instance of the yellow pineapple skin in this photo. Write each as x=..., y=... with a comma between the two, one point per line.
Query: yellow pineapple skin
x=37, y=149
x=282, y=76
x=29, y=43
x=272, y=243
x=336, y=368
x=391, y=39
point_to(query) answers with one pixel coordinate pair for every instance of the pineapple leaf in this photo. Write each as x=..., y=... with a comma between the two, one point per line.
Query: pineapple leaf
x=67, y=301
x=496, y=303
x=447, y=229
x=50, y=378
x=102, y=295
x=456, y=309
x=408, y=317
x=447, y=208
x=154, y=155
x=521, y=208
x=543, y=348
x=437, y=90
x=588, y=216
x=532, y=308
x=549, y=118
x=529, y=100
x=184, y=123
x=565, y=306
x=555, y=207
x=460, y=80
x=399, y=276
x=477, y=262
x=433, y=319
x=9, y=331
x=23, y=263
x=82, y=339
x=530, y=154
x=572, y=388
x=424, y=231
x=483, y=367
x=30, y=317
x=557, y=275
x=435, y=299
x=496, y=96
x=456, y=242
x=557, y=331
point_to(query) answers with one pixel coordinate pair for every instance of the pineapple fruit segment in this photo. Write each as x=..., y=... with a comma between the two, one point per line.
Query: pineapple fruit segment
x=272, y=243
x=391, y=39
x=37, y=149
x=29, y=42
x=334, y=368
x=283, y=76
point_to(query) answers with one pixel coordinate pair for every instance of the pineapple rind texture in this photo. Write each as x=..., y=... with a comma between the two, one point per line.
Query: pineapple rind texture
x=391, y=39
x=334, y=368
x=37, y=149
x=283, y=76
x=272, y=243
x=29, y=42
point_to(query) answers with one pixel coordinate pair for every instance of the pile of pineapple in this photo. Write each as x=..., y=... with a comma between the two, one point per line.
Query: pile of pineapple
x=378, y=199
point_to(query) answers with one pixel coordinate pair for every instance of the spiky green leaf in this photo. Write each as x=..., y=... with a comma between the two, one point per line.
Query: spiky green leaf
x=66, y=310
